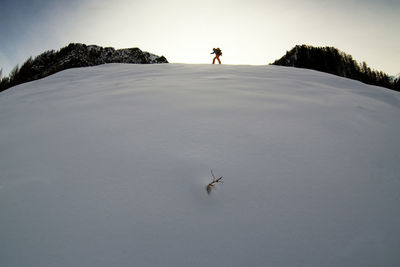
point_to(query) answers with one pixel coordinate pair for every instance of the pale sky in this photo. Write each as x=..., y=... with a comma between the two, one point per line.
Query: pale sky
x=185, y=31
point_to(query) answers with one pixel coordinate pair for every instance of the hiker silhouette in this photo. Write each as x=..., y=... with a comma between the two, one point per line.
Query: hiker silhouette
x=217, y=53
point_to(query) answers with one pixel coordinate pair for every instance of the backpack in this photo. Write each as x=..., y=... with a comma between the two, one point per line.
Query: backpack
x=217, y=51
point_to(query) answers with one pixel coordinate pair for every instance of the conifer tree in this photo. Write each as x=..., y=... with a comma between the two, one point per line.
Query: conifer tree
x=331, y=60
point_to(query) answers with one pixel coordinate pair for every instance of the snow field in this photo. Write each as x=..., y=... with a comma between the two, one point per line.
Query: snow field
x=107, y=166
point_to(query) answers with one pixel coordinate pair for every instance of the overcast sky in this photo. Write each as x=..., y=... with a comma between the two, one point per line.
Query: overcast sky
x=185, y=31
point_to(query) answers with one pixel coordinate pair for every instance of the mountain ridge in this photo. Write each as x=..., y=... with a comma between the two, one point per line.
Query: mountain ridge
x=73, y=56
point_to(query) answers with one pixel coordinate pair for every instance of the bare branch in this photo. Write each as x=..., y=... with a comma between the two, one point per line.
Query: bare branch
x=212, y=174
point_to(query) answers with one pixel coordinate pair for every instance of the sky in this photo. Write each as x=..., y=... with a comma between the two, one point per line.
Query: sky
x=254, y=32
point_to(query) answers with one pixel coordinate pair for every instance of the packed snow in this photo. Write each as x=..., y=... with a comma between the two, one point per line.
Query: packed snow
x=109, y=166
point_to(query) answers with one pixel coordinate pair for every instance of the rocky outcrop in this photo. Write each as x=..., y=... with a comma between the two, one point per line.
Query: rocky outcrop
x=81, y=55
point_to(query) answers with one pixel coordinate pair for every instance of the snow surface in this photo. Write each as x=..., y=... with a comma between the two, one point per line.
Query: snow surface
x=108, y=166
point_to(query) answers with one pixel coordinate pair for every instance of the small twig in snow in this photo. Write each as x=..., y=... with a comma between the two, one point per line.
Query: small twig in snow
x=211, y=185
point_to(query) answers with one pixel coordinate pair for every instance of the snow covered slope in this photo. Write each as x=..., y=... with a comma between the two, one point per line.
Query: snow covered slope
x=107, y=166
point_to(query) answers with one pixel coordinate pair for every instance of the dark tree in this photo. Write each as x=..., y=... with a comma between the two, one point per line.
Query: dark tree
x=331, y=60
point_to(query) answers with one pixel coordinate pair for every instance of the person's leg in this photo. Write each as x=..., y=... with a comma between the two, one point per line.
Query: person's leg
x=219, y=60
x=214, y=60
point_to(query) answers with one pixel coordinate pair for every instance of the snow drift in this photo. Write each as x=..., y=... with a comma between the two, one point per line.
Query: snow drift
x=108, y=166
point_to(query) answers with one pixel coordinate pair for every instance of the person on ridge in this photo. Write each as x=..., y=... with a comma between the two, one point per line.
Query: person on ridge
x=217, y=53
